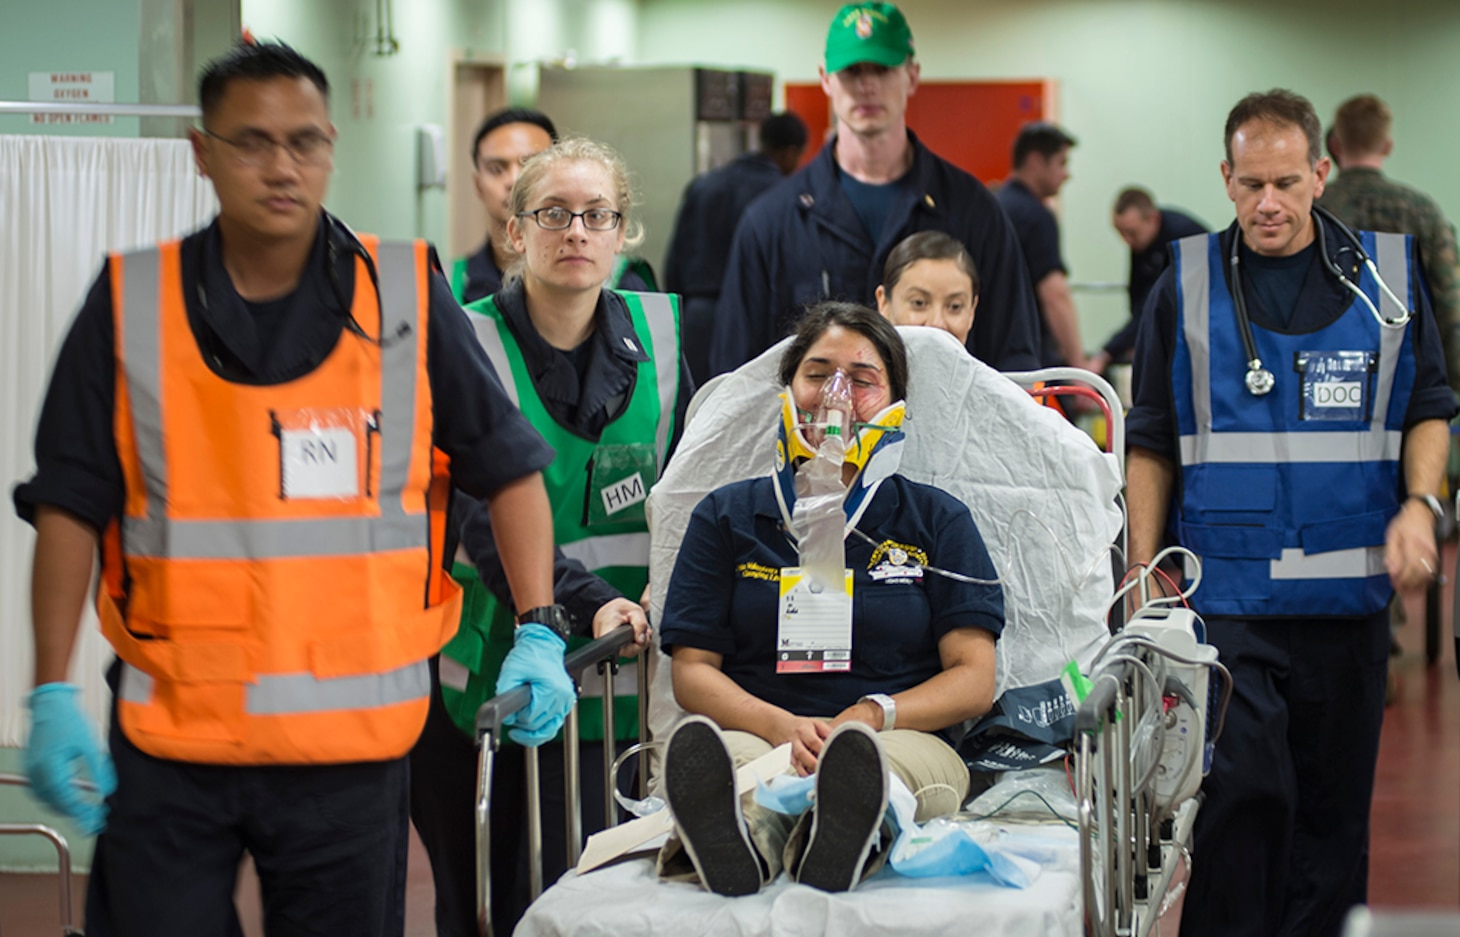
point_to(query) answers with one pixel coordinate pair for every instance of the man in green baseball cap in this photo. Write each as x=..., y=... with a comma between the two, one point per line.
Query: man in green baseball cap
x=826, y=232
x=868, y=32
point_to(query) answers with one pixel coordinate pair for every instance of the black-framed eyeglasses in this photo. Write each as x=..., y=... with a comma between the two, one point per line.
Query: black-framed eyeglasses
x=557, y=218
x=310, y=148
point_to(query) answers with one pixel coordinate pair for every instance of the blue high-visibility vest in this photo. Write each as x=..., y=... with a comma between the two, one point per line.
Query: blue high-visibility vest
x=1285, y=497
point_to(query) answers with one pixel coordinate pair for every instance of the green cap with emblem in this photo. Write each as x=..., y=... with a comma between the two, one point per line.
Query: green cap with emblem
x=868, y=32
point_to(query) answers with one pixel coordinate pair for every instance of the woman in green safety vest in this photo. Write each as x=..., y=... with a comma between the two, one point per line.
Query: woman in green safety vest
x=599, y=373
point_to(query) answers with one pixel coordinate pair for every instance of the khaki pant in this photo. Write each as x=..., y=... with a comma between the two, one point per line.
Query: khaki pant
x=931, y=769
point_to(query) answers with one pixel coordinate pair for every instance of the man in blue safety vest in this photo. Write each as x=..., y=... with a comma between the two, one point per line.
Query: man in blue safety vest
x=1289, y=429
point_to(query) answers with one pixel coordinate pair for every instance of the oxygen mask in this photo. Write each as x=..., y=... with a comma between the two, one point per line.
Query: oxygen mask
x=834, y=415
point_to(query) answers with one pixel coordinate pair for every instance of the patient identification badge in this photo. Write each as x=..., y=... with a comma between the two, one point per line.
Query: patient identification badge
x=1335, y=384
x=813, y=625
x=319, y=453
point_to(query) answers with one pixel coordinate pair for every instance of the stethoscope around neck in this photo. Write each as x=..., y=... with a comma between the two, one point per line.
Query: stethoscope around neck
x=1259, y=379
x=337, y=233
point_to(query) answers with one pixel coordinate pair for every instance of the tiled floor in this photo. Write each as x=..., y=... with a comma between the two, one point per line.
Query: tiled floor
x=1415, y=853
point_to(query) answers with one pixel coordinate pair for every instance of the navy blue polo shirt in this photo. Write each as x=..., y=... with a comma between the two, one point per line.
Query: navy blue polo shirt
x=724, y=593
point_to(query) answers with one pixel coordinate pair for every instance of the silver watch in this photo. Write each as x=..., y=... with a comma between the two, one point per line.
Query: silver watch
x=889, y=709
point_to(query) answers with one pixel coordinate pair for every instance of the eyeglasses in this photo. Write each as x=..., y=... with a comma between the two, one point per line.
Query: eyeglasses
x=255, y=149
x=555, y=218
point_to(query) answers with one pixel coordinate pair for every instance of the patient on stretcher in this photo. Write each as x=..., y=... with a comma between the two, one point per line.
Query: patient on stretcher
x=833, y=605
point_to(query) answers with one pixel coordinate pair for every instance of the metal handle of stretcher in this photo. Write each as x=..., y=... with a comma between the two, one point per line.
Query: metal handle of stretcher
x=1086, y=384
x=63, y=851
x=603, y=653
x=1120, y=834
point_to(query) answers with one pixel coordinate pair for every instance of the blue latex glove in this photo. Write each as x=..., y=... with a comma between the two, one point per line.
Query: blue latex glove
x=536, y=659
x=60, y=737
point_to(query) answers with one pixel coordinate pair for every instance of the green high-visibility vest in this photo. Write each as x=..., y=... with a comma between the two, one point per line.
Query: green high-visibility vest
x=597, y=492
x=458, y=278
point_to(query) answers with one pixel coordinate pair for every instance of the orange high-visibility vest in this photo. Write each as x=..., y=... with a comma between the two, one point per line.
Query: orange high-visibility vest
x=260, y=619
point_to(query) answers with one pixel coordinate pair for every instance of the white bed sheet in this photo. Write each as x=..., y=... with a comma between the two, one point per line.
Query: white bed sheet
x=627, y=900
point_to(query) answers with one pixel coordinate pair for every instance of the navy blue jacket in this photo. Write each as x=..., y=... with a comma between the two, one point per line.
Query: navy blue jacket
x=713, y=203
x=802, y=242
x=1146, y=268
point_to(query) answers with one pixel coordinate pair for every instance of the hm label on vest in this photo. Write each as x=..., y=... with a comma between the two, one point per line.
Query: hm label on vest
x=320, y=462
x=624, y=494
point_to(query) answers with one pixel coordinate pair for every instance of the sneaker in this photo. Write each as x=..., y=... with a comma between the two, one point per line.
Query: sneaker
x=699, y=783
x=851, y=798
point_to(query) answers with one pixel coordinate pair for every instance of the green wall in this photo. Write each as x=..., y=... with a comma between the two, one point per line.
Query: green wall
x=1144, y=84
x=51, y=37
x=377, y=102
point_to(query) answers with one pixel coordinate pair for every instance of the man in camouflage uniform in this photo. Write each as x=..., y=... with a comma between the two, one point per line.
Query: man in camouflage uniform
x=1362, y=197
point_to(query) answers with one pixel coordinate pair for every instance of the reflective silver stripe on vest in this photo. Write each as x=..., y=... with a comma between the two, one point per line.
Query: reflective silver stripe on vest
x=613, y=550
x=1393, y=266
x=454, y=674
x=142, y=350
x=285, y=694
x=133, y=685
x=1357, y=563
x=1195, y=316
x=400, y=335
x=1206, y=446
x=663, y=335
x=263, y=540
x=159, y=536
x=1290, y=447
x=491, y=341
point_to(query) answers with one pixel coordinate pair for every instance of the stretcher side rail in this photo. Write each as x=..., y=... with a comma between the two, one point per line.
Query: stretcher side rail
x=63, y=852
x=1128, y=849
x=602, y=653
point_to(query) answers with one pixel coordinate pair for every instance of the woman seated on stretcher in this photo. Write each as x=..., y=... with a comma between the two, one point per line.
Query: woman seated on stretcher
x=855, y=651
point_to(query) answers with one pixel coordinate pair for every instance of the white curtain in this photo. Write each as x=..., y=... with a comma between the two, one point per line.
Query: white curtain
x=65, y=202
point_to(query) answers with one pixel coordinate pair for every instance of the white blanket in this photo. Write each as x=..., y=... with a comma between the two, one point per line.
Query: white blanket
x=628, y=900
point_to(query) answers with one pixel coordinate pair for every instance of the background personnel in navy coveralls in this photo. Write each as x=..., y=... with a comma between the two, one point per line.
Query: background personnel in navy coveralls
x=1301, y=504
x=259, y=304
x=694, y=267
x=1041, y=166
x=825, y=233
x=1147, y=230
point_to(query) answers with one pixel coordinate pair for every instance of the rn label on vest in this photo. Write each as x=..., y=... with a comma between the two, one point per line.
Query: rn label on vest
x=624, y=494
x=320, y=462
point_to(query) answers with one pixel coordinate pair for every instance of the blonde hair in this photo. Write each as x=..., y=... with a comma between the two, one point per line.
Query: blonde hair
x=576, y=150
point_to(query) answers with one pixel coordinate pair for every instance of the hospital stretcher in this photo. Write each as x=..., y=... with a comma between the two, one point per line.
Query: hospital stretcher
x=1106, y=875
x=63, y=854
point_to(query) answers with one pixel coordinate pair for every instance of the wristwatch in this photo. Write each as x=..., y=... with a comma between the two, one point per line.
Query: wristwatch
x=889, y=708
x=1432, y=503
x=556, y=617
